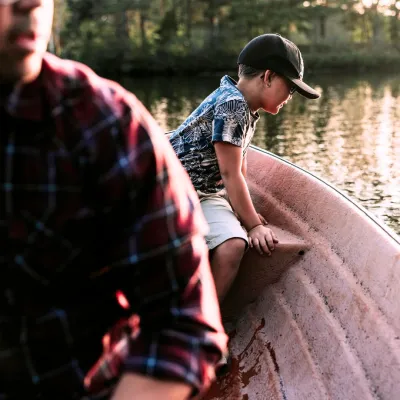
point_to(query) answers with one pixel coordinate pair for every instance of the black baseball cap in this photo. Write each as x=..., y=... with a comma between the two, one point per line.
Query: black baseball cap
x=274, y=52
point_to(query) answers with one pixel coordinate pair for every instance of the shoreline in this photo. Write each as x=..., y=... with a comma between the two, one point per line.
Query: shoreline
x=203, y=64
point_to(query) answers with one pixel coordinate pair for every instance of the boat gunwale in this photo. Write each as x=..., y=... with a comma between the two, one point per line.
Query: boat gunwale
x=367, y=213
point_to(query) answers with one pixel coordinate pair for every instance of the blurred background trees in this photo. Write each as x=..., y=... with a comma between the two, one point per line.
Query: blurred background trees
x=192, y=36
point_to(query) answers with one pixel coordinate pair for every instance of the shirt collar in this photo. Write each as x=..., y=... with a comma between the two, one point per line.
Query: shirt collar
x=28, y=101
x=228, y=82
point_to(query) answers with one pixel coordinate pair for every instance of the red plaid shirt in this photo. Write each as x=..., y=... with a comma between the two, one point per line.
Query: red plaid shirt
x=94, y=203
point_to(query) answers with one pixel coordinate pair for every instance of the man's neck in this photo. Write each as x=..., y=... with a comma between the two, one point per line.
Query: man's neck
x=5, y=91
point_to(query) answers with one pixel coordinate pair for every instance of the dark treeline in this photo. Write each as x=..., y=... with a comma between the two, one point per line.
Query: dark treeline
x=196, y=36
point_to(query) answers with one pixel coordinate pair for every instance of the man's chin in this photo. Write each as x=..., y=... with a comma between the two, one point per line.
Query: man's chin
x=23, y=69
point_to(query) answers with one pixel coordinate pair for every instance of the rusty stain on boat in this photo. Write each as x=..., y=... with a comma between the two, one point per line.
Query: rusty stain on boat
x=273, y=356
x=224, y=387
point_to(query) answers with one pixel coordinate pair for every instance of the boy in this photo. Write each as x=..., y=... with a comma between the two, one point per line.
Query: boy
x=213, y=141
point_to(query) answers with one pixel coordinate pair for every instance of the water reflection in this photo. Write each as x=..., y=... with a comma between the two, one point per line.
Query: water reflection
x=350, y=137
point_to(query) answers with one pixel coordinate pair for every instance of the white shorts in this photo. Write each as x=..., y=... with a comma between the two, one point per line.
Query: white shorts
x=223, y=223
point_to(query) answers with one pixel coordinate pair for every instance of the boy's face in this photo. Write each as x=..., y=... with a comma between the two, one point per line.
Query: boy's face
x=277, y=94
x=25, y=29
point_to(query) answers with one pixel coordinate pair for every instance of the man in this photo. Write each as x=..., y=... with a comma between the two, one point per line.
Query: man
x=212, y=145
x=100, y=231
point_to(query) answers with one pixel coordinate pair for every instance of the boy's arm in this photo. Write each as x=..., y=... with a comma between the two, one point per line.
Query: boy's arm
x=231, y=165
x=244, y=166
x=244, y=173
x=228, y=136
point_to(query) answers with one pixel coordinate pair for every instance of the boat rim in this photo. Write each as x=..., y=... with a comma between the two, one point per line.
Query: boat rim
x=367, y=213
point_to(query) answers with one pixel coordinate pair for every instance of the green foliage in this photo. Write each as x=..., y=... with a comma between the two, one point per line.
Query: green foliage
x=191, y=36
x=360, y=60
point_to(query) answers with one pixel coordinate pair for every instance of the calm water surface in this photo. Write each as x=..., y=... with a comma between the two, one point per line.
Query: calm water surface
x=349, y=137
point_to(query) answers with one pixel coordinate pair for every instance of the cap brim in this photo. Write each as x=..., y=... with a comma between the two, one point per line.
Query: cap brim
x=304, y=89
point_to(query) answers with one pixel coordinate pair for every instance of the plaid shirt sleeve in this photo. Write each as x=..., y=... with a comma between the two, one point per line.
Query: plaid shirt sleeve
x=155, y=255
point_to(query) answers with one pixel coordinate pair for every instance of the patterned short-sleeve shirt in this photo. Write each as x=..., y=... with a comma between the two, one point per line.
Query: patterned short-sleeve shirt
x=224, y=116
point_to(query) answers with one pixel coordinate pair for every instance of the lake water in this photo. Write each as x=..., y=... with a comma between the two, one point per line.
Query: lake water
x=349, y=137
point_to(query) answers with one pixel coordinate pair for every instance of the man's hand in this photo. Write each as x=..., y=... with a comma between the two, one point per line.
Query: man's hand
x=140, y=387
x=262, y=239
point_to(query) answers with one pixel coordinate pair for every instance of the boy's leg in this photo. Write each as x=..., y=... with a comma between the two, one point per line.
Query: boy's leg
x=225, y=262
x=227, y=241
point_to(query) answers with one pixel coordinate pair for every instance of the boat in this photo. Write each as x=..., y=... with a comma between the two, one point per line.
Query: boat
x=320, y=318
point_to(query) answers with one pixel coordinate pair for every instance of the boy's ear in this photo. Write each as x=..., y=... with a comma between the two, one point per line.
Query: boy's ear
x=267, y=76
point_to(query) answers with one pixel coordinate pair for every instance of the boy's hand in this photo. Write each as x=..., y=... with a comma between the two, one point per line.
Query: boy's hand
x=262, y=219
x=262, y=239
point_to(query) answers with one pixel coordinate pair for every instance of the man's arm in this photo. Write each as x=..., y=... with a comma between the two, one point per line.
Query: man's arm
x=134, y=386
x=155, y=253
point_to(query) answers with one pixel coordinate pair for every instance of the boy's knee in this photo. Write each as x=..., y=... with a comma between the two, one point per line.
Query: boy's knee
x=238, y=246
x=232, y=250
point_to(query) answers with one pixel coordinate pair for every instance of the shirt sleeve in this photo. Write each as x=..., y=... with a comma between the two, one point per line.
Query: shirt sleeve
x=229, y=122
x=155, y=254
